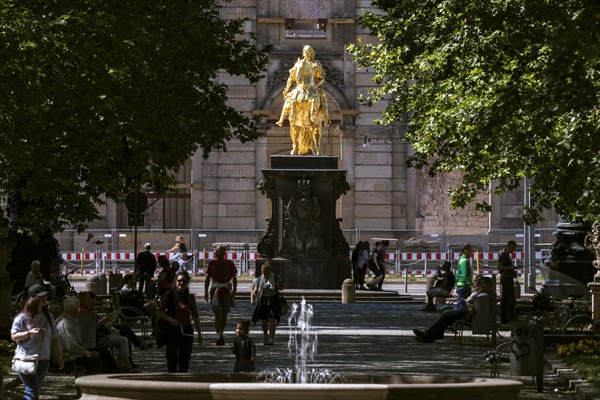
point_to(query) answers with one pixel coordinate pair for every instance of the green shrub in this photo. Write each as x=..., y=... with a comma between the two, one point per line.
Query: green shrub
x=584, y=357
x=7, y=347
x=7, y=350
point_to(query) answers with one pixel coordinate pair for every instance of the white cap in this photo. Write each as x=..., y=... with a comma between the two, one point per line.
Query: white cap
x=146, y=245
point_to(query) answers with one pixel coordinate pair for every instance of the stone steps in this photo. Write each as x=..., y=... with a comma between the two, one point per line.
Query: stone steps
x=566, y=374
x=335, y=296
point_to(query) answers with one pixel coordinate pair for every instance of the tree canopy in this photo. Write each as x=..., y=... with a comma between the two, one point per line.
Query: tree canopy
x=500, y=89
x=98, y=98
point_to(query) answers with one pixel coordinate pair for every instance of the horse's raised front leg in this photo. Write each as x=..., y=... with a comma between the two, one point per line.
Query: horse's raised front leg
x=294, y=137
x=317, y=141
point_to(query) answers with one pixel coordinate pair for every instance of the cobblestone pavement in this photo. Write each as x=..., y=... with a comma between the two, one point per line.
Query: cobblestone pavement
x=352, y=338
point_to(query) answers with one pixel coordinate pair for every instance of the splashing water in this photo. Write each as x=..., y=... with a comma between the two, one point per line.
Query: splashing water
x=303, y=339
x=302, y=344
x=288, y=375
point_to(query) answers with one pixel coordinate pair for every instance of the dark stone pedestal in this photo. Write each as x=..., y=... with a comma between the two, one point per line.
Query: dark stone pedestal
x=304, y=241
x=571, y=267
x=310, y=272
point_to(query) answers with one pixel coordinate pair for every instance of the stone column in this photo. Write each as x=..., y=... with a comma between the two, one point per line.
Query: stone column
x=7, y=243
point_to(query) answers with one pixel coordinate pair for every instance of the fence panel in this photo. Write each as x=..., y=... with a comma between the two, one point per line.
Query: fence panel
x=399, y=263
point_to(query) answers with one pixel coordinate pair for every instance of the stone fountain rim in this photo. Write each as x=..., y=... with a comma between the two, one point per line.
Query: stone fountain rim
x=108, y=381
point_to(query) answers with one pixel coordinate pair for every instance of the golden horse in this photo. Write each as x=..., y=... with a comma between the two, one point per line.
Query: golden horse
x=306, y=106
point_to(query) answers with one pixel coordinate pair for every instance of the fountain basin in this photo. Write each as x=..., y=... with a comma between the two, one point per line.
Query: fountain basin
x=162, y=386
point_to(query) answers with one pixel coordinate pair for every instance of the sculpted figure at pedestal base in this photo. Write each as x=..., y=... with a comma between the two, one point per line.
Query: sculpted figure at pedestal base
x=305, y=104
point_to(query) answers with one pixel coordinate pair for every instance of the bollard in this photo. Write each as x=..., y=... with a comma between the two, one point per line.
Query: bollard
x=101, y=285
x=524, y=349
x=91, y=284
x=517, y=286
x=348, y=291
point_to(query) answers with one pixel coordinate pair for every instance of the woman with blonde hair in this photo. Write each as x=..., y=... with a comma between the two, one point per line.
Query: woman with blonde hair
x=265, y=293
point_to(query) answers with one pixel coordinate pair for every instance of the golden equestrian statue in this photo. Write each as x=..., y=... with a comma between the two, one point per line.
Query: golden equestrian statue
x=305, y=104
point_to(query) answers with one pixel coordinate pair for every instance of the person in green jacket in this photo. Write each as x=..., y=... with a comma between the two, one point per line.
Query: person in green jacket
x=464, y=273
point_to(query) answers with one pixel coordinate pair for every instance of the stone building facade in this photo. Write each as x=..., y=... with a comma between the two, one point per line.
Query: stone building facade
x=219, y=195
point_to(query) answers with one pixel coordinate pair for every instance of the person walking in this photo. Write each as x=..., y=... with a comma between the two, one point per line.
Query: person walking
x=507, y=286
x=381, y=261
x=363, y=261
x=181, y=249
x=222, y=281
x=374, y=266
x=34, y=332
x=243, y=348
x=175, y=308
x=464, y=273
x=265, y=293
x=354, y=258
x=145, y=267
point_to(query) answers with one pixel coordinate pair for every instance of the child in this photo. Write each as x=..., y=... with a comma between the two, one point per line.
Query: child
x=243, y=348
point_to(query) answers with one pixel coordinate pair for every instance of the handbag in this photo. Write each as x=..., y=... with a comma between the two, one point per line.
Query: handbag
x=283, y=305
x=26, y=365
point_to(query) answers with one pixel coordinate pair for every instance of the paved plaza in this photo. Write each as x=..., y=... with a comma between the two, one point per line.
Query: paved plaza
x=368, y=338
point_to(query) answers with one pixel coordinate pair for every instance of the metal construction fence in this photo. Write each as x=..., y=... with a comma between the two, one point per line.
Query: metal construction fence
x=398, y=262
x=404, y=240
x=410, y=254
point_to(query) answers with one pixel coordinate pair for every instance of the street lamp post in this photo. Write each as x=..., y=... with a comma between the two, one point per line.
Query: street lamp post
x=528, y=242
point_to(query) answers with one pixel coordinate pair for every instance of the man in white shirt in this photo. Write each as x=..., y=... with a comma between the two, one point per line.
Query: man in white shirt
x=70, y=338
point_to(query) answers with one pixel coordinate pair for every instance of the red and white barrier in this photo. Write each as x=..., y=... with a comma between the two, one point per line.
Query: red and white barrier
x=252, y=255
x=407, y=263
